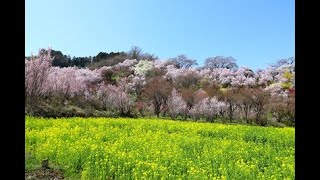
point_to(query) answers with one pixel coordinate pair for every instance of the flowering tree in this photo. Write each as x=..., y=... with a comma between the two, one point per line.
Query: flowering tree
x=267, y=76
x=243, y=77
x=208, y=108
x=119, y=101
x=226, y=76
x=36, y=72
x=195, y=112
x=136, y=84
x=182, y=61
x=288, y=62
x=126, y=64
x=70, y=82
x=108, y=74
x=221, y=62
x=115, y=99
x=282, y=108
x=176, y=105
x=143, y=68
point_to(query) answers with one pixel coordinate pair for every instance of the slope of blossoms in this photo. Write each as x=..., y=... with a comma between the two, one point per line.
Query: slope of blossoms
x=146, y=88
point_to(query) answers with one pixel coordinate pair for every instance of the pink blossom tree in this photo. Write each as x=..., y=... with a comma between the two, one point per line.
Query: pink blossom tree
x=176, y=105
x=208, y=108
x=36, y=72
x=115, y=99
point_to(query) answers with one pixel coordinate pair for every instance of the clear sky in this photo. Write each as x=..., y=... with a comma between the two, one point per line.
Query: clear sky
x=255, y=32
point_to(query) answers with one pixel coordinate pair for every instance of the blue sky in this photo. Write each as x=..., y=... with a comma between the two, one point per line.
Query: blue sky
x=255, y=32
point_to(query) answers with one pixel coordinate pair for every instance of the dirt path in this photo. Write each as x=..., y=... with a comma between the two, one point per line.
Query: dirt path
x=44, y=174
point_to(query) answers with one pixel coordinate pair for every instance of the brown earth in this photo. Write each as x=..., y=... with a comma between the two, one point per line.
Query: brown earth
x=44, y=174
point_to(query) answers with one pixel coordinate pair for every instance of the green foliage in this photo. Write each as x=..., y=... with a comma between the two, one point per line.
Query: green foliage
x=110, y=61
x=106, y=148
x=59, y=59
x=288, y=76
x=286, y=85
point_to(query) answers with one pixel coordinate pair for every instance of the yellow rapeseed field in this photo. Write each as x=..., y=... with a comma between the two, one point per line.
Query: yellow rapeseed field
x=111, y=148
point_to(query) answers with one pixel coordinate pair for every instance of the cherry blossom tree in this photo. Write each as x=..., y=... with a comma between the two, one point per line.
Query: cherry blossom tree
x=128, y=63
x=176, y=105
x=283, y=108
x=36, y=72
x=243, y=77
x=70, y=82
x=115, y=99
x=182, y=61
x=221, y=62
x=208, y=108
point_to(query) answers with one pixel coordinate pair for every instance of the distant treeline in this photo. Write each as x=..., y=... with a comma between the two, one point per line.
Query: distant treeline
x=100, y=60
